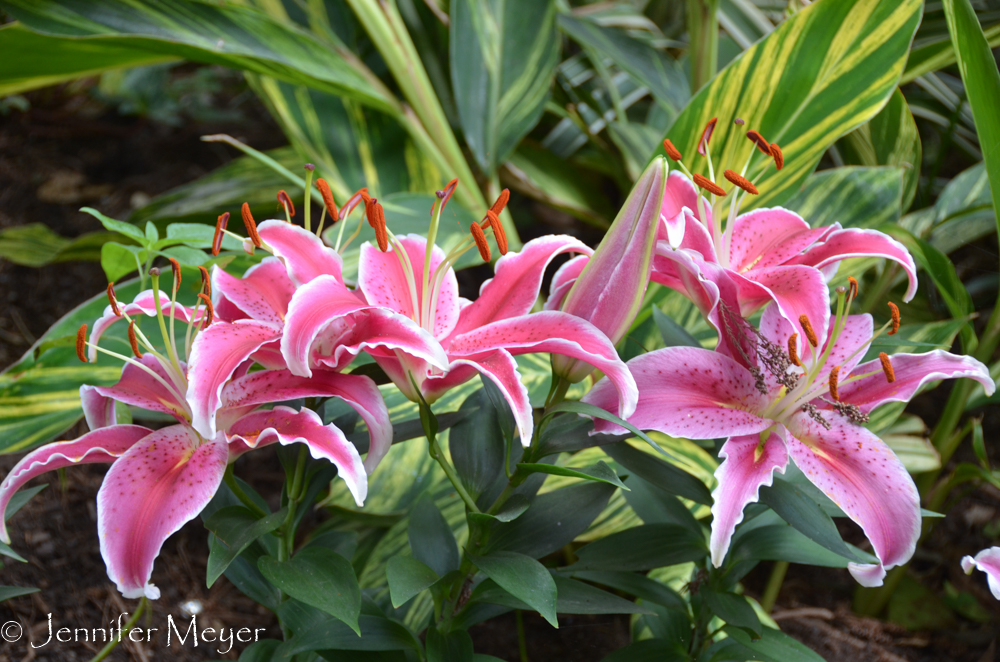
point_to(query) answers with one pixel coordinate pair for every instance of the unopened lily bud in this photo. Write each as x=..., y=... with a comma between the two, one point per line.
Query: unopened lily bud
x=609, y=291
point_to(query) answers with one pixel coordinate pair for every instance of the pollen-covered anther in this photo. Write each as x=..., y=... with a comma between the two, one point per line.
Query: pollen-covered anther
x=890, y=374
x=206, y=281
x=834, y=376
x=793, y=352
x=671, y=151
x=741, y=181
x=286, y=202
x=113, y=300
x=132, y=340
x=706, y=135
x=327, y=195
x=808, y=329
x=209, y=309
x=498, y=232
x=378, y=222
x=779, y=158
x=480, y=239
x=81, y=342
x=220, y=227
x=177, y=272
x=757, y=139
x=852, y=287
x=500, y=203
x=894, y=311
x=708, y=185
x=251, y=226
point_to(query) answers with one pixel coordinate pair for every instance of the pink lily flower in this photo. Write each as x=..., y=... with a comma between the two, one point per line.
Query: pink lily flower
x=809, y=409
x=988, y=561
x=161, y=479
x=414, y=279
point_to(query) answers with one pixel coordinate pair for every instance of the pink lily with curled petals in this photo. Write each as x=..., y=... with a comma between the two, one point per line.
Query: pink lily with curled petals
x=161, y=479
x=415, y=281
x=988, y=561
x=811, y=411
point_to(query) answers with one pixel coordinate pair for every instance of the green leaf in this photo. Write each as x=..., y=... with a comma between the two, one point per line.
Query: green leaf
x=544, y=176
x=642, y=548
x=226, y=34
x=119, y=260
x=733, y=609
x=674, y=335
x=377, y=634
x=636, y=584
x=512, y=508
x=524, y=578
x=260, y=651
x=407, y=577
x=24, y=496
x=798, y=509
x=938, y=54
x=120, y=227
x=574, y=598
x=577, y=407
x=982, y=85
x=647, y=650
x=235, y=528
x=823, y=72
x=477, y=444
x=781, y=542
x=454, y=646
x=570, y=433
x=854, y=196
x=8, y=592
x=772, y=646
x=664, y=475
x=35, y=245
x=599, y=472
x=503, y=57
x=431, y=538
x=321, y=578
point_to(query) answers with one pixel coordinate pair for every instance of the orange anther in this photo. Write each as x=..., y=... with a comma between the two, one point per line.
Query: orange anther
x=890, y=374
x=251, y=226
x=852, y=292
x=220, y=225
x=894, y=310
x=498, y=232
x=327, y=194
x=793, y=352
x=741, y=181
x=177, y=272
x=501, y=202
x=81, y=342
x=671, y=151
x=779, y=158
x=132, y=340
x=206, y=282
x=834, y=375
x=758, y=140
x=209, y=309
x=113, y=300
x=708, y=185
x=808, y=329
x=480, y=239
x=706, y=135
x=286, y=202
x=377, y=219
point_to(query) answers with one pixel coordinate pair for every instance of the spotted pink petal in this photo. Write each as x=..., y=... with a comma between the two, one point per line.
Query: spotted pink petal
x=143, y=304
x=844, y=244
x=911, y=371
x=304, y=254
x=988, y=561
x=688, y=392
x=517, y=282
x=98, y=411
x=325, y=319
x=262, y=293
x=501, y=368
x=563, y=280
x=358, y=391
x=384, y=282
x=105, y=444
x=768, y=237
x=847, y=351
x=137, y=387
x=697, y=238
x=746, y=467
x=861, y=475
x=216, y=353
x=286, y=426
x=795, y=291
x=557, y=333
x=680, y=195
x=149, y=493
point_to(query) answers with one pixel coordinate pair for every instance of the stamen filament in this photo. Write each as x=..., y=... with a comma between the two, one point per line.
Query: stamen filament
x=306, y=201
x=171, y=351
x=142, y=366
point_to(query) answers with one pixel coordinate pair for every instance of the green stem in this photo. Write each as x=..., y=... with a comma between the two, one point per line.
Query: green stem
x=435, y=452
x=104, y=652
x=230, y=479
x=773, y=586
x=522, y=642
x=703, y=33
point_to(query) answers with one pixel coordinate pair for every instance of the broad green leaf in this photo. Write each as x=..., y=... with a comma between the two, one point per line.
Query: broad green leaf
x=674, y=335
x=121, y=227
x=235, y=528
x=733, y=609
x=225, y=34
x=544, y=176
x=908, y=439
x=321, y=578
x=454, y=646
x=599, y=472
x=407, y=577
x=8, y=592
x=642, y=548
x=653, y=505
x=781, y=542
x=963, y=212
x=939, y=54
x=648, y=650
x=503, y=56
x=569, y=433
x=524, y=578
x=20, y=499
x=377, y=634
x=260, y=651
x=35, y=245
x=663, y=474
x=635, y=584
x=477, y=444
x=577, y=407
x=431, y=539
x=574, y=598
x=888, y=139
x=982, y=85
x=118, y=260
x=772, y=646
x=799, y=510
x=823, y=72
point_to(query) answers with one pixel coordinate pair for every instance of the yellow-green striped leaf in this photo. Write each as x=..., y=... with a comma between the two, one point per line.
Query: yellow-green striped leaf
x=823, y=72
x=855, y=197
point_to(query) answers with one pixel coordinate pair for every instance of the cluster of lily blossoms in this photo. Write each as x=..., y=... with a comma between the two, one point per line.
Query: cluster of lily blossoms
x=290, y=326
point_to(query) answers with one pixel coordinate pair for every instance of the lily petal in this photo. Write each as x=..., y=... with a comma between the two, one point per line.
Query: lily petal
x=215, y=355
x=795, y=290
x=98, y=411
x=514, y=288
x=769, y=237
x=988, y=561
x=262, y=293
x=358, y=391
x=911, y=371
x=861, y=475
x=102, y=445
x=556, y=333
x=143, y=304
x=747, y=466
x=563, y=280
x=853, y=242
x=286, y=426
x=140, y=389
x=304, y=254
x=680, y=204
x=149, y=493
x=688, y=392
